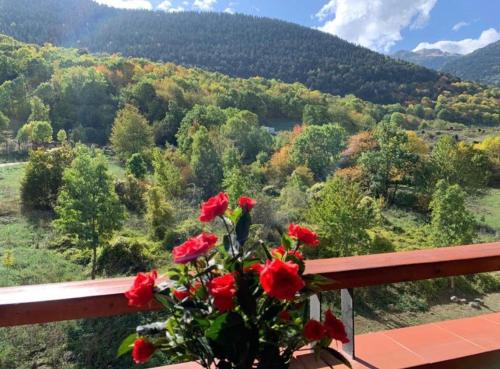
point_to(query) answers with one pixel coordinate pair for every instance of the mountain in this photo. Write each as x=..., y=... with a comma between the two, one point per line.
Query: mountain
x=429, y=58
x=237, y=45
x=482, y=65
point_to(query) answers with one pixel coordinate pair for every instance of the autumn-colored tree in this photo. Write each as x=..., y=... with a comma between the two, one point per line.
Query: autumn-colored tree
x=460, y=163
x=358, y=144
x=131, y=133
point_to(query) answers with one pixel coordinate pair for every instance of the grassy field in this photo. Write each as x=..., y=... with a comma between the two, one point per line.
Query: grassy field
x=487, y=208
x=25, y=257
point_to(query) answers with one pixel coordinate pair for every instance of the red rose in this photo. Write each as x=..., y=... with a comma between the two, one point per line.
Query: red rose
x=141, y=292
x=214, y=207
x=284, y=315
x=193, y=248
x=304, y=235
x=335, y=328
x=256, y=268
x=280, y=250
x=142, y=351
x=181, y=293
x=246, y=203
x=223, y=290
x=281, y=280
x=313, y=330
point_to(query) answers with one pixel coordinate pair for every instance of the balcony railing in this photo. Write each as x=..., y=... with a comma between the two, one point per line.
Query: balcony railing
x=103, y=298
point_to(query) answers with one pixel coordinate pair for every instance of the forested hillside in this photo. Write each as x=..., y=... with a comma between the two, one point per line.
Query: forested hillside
x=117, y=154
x=483, y=65
x=236, y=45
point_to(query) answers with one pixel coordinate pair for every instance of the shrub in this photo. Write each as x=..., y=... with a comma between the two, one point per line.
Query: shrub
x=43, y=177
x=125, y=255
x=160, y=214
x=131, y=193
x=136, y=165
x=182, y=232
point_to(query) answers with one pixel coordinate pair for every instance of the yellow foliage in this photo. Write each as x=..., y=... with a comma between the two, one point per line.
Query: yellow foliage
x=491, y=147
x=416, y=144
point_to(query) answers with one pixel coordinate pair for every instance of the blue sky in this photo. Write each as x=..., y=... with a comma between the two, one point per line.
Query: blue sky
x=459, y=26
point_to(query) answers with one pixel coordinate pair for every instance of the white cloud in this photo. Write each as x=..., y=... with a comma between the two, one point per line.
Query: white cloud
x=374, y=24
x=464, y=46
x=167, y=6
x=229, y=10
x=127, y=4
x=459, y=25
x=204, y=4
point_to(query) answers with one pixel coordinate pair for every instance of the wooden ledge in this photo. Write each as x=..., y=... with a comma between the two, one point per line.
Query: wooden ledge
x=103, y=298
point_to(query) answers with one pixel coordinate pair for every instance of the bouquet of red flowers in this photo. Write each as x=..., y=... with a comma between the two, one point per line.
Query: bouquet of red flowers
x=228, y=308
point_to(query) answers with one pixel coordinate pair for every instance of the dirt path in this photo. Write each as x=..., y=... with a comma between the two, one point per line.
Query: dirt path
x=6, y=165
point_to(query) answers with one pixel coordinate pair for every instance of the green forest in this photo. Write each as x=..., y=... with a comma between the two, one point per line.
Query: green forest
x=108, y=157
x=236, y=45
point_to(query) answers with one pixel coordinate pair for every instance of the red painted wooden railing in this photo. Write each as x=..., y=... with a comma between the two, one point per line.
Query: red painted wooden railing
x=101, y=298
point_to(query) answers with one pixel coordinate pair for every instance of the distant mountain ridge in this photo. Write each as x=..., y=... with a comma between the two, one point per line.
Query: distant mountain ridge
x=237, y=45
x=429, y=58
x=482, y=65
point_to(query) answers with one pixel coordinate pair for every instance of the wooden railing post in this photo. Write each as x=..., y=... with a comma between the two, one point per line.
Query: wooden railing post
x=347, y=306
x=315, y=307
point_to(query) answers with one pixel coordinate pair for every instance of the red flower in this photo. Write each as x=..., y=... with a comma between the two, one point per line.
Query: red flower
x=257, y=268
x=181, y=293
x=246, y=203
x=193, y=248
x=304, y=235
x=142, y=351
x=223, y=290
x=141, y=292
x=281, y=280
x=313, y=330
x=214, y=207
x=284, y=315
x=280, y=250
x=335, y=328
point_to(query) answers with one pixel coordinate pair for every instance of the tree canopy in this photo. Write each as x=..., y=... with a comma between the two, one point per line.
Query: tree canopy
x=87, y=206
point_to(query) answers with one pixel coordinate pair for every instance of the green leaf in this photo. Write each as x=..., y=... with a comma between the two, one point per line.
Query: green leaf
x=286, y=242
x=228, y=336
x=163, y=299
x=243, y=227
x=126, y=345
x=213, y=332
x=235, y=215
x=338, y=356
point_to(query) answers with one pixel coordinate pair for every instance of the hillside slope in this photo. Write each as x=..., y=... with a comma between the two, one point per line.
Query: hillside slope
x=483, y=65
x=236, y=45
